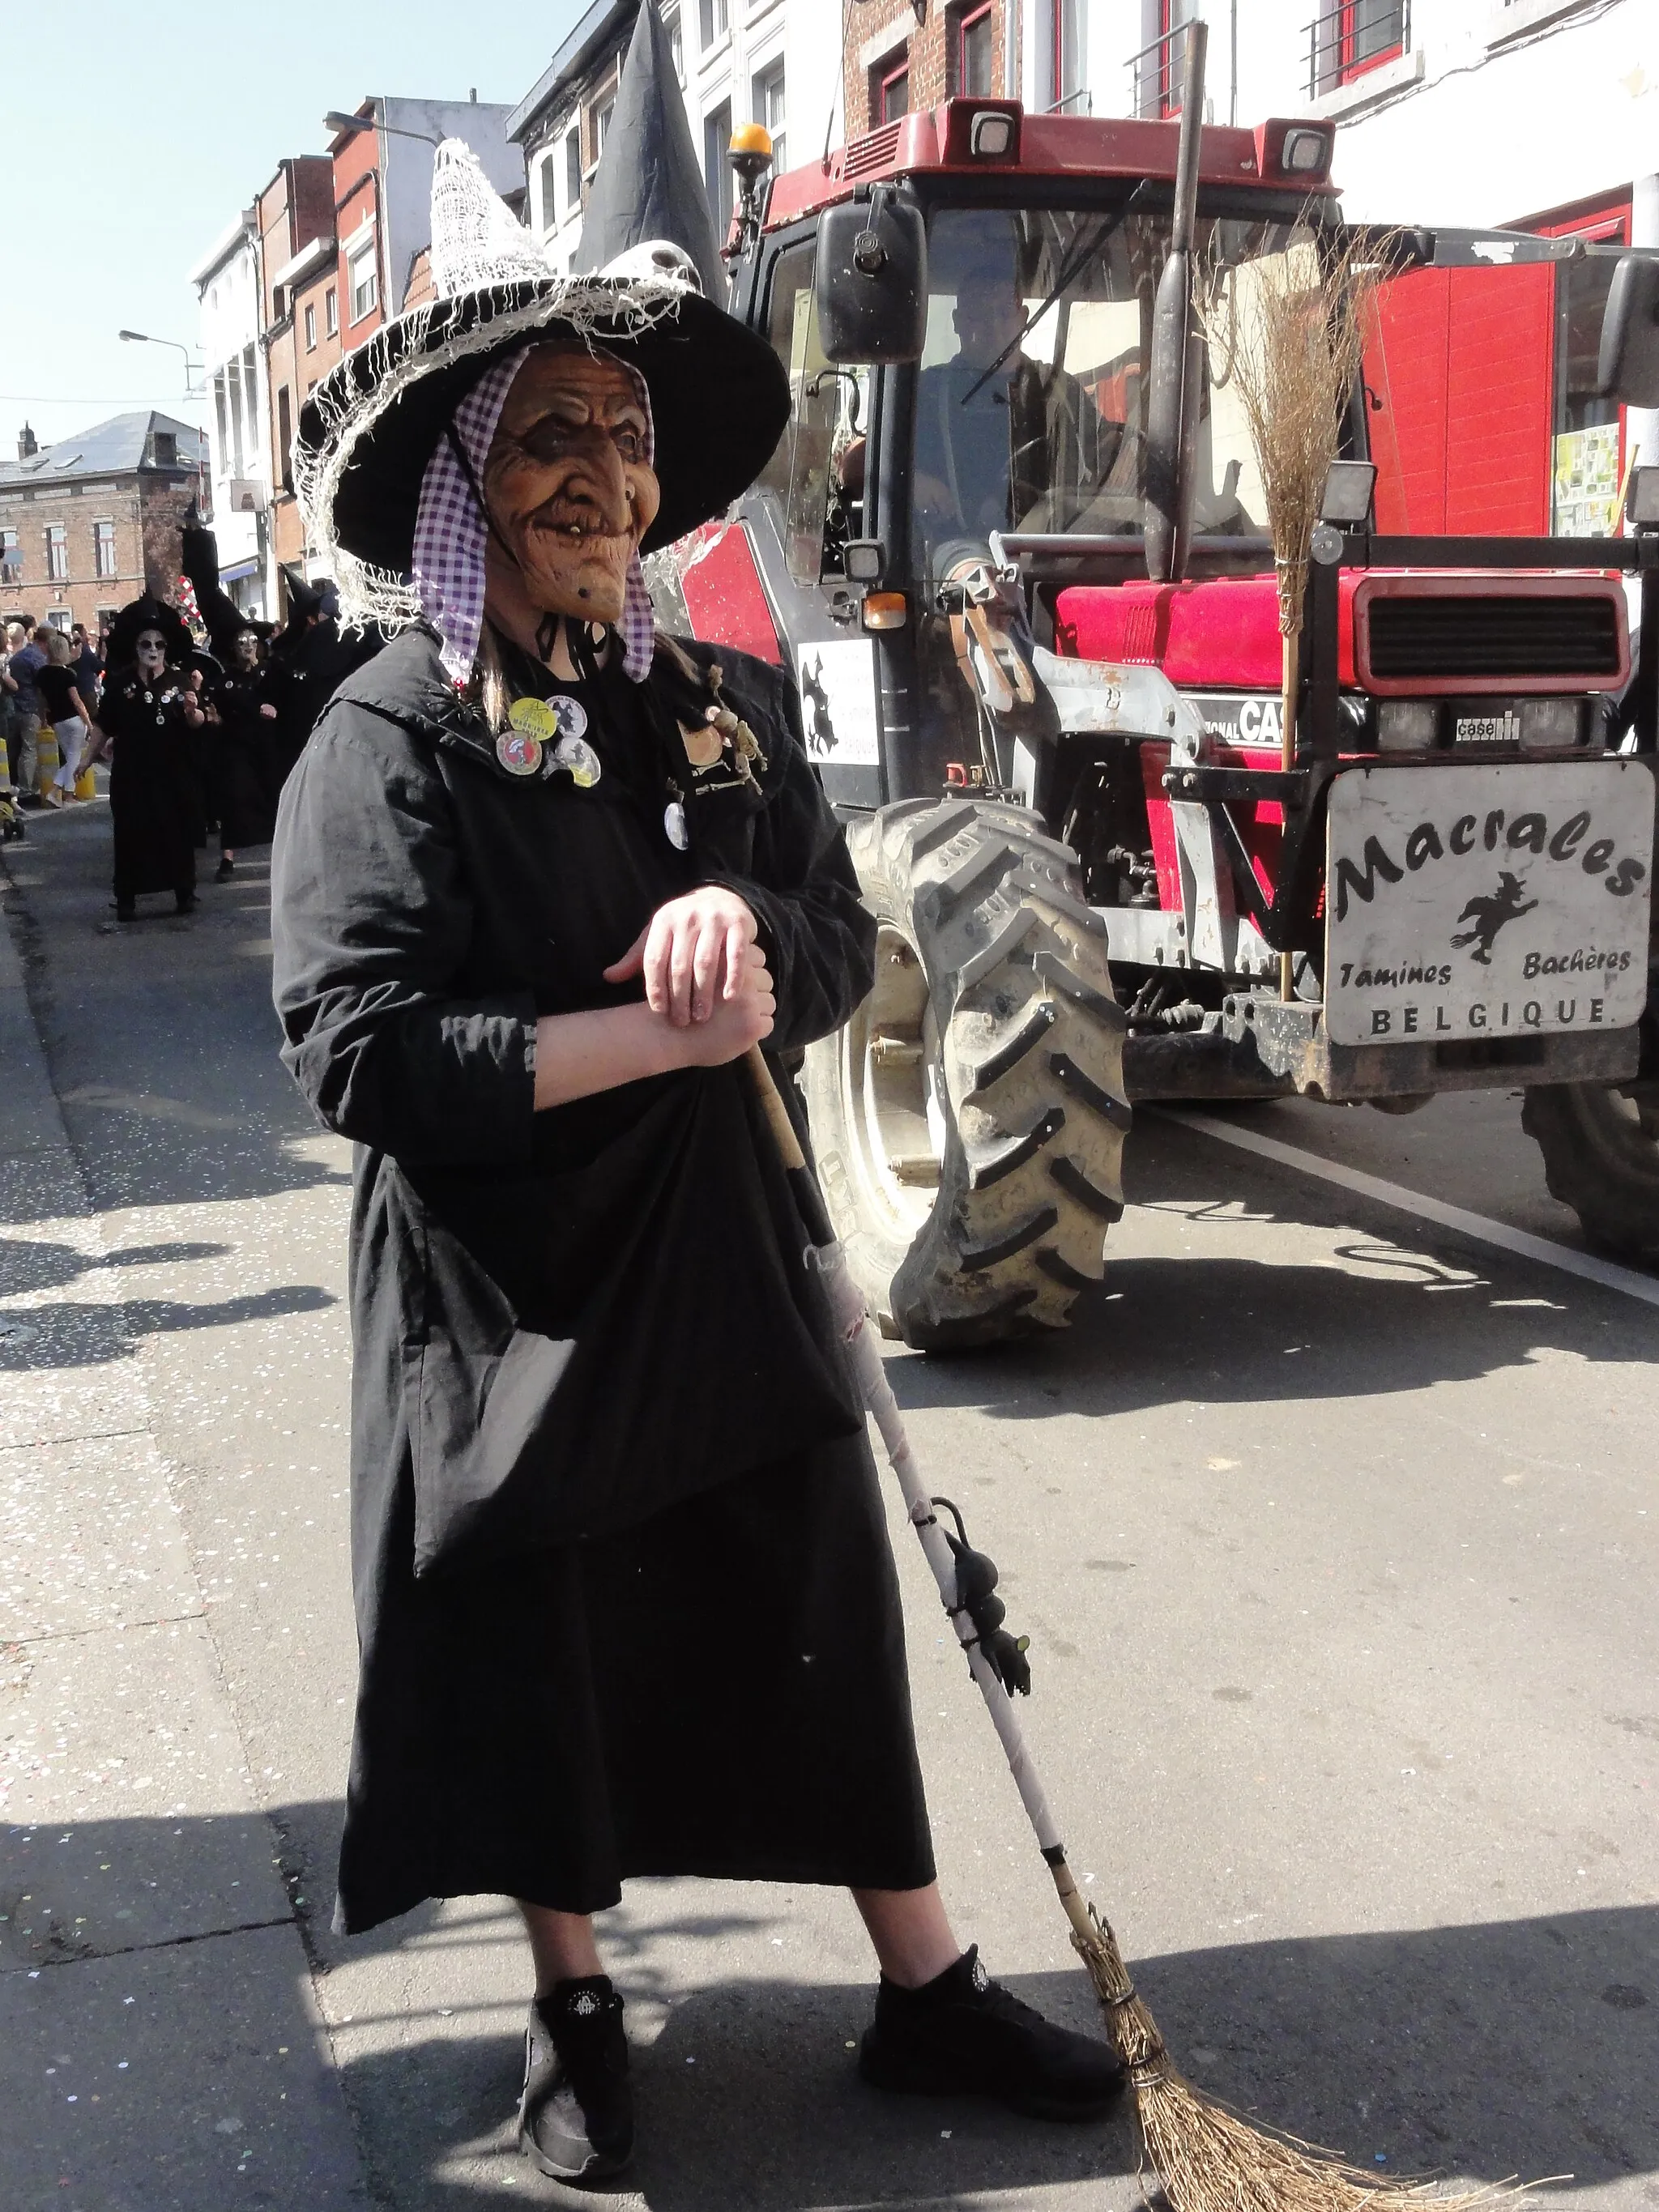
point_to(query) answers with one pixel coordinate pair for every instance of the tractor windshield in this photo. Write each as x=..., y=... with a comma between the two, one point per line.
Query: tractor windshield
x=1031, y=393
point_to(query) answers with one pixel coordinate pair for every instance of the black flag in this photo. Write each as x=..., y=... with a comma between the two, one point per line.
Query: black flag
x=649, y=184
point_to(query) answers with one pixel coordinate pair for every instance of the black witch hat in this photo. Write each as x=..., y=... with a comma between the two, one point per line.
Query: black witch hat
x=650, y=184
x=719, y=396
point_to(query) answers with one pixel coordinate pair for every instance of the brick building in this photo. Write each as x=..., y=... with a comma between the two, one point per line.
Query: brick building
x=300, y=312
x=91, y=522
x=897, y=55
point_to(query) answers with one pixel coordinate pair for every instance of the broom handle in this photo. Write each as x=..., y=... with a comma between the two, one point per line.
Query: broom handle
x=878, y=1395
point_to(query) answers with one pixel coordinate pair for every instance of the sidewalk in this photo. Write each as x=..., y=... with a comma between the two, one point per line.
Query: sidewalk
x=158, y=2044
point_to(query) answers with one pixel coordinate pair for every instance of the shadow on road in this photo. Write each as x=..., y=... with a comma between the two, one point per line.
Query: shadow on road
x=1527, y=2047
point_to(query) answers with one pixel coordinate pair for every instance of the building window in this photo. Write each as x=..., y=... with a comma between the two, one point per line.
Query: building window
x=103, y=549
x=332, y=311
x=61, y=618
x=11, y=558
x=715, y=20
x=572, y=167
x=716, y=169
x=677, y=53
x=165, y=443
x=56, y=553
x=970, y=48
x=105, y=618
x=766, y=105
x=1068, y=63
x=285, y=436
x=602, y=115
x=889, y=90
x=363, y=281
x=1348, y=37
x=547, y=192
x=311, y=329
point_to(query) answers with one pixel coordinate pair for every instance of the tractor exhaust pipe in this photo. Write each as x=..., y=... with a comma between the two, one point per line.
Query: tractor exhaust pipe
x=1176, y=378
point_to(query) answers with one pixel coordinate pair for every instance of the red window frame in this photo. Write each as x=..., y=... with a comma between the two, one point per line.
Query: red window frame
x=886, y=80
x=1169, y=102
x=1346, y=17
x=961, y=23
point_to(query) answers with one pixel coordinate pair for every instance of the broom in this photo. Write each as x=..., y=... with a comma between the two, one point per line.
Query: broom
x=1208, y=2158
x=1294, y=353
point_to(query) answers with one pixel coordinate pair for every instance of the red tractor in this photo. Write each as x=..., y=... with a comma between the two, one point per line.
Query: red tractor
x=1012, y=545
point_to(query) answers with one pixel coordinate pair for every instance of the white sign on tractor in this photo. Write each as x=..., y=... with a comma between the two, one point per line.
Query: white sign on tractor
x=1487, y=901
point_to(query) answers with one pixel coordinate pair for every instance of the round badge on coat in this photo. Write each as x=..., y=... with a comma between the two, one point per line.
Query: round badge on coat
x=673, y=823
x=533, y=717
x=518, y=752
x=574, y=753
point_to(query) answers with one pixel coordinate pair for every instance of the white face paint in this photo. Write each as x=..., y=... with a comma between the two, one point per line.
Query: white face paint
x=151, y=652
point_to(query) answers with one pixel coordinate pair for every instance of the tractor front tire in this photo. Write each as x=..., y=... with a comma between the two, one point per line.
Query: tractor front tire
x=968, y=1121
x=1601, y=1147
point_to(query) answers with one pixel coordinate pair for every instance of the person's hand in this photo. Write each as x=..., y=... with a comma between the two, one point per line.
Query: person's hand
x=691, y=955
x=269, y=712
x=737, y=1020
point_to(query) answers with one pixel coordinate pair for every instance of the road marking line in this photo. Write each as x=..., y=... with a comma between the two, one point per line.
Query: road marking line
x=1607, y=1272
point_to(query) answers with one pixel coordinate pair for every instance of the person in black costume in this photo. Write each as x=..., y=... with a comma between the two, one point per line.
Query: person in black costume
x=147, y=719
x=245, y=792
x=625, y=1600
x=237, y=754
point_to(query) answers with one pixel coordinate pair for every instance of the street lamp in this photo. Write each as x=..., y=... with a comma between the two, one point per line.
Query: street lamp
x=142, y=337
x=355, y=125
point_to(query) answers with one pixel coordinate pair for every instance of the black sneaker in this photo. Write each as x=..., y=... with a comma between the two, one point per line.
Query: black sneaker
x=965, y=2035
x=576, y=2110
x=225, y=870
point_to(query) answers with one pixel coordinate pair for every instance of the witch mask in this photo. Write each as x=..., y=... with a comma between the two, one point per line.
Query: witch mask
x=557, y=443
x=570, y=487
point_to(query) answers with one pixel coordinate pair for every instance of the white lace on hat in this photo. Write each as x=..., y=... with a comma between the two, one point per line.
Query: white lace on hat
x=477, y=246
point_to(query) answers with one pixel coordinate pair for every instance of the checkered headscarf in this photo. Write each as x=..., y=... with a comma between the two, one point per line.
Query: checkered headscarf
x=450, y=532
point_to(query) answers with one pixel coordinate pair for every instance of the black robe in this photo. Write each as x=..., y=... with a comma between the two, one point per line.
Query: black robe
x=624, y=1597
x=154, y=797
x=242, y=753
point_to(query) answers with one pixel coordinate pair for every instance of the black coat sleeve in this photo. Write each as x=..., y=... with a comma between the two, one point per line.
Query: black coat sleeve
x=371, y=925
x=820, y=942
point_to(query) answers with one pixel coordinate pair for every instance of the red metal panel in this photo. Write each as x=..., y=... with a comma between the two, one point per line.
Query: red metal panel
x=723, y=592
x=1462, y=360
x=1500, y=347
x=1406, y=369
x=1220, y=631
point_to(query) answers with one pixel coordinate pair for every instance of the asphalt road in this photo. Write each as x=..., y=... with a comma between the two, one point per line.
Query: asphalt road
x=1334, y=1531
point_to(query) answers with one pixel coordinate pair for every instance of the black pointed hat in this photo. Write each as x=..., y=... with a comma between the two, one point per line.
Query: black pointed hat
x=650, y=184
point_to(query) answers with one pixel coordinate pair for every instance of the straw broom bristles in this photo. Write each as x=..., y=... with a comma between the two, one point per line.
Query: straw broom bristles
x=1206, y=2157
x=1294, y=350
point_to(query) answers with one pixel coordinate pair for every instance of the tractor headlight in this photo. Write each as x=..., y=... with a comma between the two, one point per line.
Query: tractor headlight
x=1550, y=722
x=1408, y=725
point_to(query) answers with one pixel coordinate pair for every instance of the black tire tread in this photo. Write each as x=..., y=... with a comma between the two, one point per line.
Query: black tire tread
x=1598, y=1163
x=1031, y=1060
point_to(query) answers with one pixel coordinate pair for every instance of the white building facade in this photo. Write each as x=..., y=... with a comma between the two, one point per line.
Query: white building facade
x=774, y=62
x=227, y=282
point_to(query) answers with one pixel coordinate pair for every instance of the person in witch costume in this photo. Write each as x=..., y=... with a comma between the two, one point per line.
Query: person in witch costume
x=147, y=721
x=541, y=880
x=242, y=791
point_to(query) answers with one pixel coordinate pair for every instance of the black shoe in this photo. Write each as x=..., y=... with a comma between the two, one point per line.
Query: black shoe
x=224, y=871
x=576, y=2110
x=965, y=2035
x=184, y=903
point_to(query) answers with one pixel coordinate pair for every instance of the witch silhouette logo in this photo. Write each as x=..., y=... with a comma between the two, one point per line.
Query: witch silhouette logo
x=821, y=737
x=1489, y=915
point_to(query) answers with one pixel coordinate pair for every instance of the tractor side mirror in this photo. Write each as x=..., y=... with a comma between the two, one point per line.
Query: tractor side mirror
x=871, y=281
x=1627, y=367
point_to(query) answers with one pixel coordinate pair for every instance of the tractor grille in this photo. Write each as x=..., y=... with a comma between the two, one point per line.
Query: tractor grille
x=867, y=155
x=1514, y=637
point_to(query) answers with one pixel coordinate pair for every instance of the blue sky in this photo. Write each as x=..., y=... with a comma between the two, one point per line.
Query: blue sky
x=128, y=144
